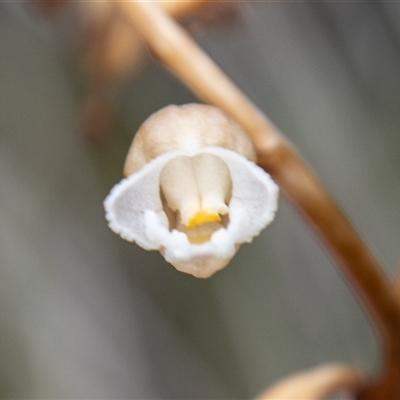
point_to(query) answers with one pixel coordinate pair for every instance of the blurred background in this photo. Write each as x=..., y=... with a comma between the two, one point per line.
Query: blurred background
x=84, y=314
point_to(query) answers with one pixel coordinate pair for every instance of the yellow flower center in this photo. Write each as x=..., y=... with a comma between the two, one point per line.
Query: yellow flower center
x=195, y=192
x=201, y=217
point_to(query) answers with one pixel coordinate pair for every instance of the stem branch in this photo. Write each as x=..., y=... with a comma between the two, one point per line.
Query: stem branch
x=176, y=49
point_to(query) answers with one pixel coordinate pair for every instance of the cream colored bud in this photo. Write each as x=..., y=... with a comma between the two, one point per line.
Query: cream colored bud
x=187, y=127
x=192, y=189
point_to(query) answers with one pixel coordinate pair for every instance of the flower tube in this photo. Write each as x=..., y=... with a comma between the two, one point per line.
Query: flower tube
x=192, y=189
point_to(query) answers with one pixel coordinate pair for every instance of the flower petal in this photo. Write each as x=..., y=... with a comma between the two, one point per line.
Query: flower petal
x=134, y=210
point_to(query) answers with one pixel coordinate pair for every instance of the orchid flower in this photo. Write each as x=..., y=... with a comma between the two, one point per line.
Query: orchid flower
x=192, y=189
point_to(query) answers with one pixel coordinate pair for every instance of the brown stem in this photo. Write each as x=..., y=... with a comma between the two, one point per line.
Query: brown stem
x=396, y=286
x=175, y=48
x=179, y=8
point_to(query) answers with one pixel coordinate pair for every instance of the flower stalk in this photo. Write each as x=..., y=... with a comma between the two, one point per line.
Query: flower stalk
x=174, y=47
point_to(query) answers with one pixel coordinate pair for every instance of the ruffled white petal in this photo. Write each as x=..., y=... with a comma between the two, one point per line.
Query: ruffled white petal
x=135, y=211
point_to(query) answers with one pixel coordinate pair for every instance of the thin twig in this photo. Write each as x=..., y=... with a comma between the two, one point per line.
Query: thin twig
x=179, y=8
x=175, y=48
x=315, y=384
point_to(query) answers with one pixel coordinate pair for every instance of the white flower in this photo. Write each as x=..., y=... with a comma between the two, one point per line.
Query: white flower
x=190, y=192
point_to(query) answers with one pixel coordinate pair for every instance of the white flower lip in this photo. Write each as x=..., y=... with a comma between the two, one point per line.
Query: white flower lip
x=134, y=210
